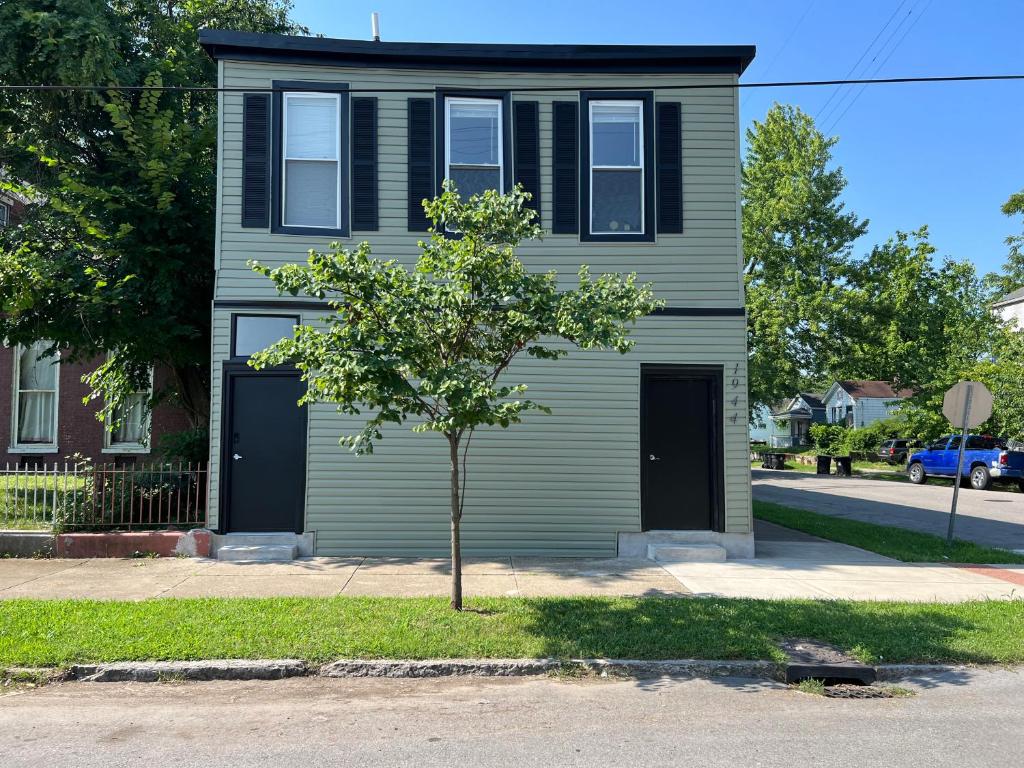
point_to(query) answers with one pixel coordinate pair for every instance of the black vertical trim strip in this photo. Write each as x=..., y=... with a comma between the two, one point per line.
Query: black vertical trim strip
x=256, y=160
x=565, y=167
x=526, y=121
x=421, y=161
x=364, y=164
x=670, y=167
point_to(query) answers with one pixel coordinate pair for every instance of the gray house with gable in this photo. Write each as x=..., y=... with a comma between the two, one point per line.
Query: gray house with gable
x=631, y=154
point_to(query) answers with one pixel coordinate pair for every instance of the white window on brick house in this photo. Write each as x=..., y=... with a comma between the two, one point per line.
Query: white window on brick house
x=131, y=424
x=5, y=214
x=36, y=386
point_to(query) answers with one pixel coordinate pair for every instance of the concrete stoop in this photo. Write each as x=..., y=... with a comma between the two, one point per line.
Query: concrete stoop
x=686, y=553
x=259, y=547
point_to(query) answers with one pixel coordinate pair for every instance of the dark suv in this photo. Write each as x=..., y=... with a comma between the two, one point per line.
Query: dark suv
x=894, y=451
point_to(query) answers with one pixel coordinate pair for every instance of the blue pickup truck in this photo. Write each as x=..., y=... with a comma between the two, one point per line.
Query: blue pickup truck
x=986, y=461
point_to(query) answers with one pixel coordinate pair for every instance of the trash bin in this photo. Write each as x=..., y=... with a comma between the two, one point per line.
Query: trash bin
x=844, y=466
x=824, y=465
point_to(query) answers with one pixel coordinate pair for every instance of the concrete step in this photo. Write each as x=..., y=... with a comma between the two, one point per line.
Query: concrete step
x=259, y=539
x=257, y=552
x=686, y=553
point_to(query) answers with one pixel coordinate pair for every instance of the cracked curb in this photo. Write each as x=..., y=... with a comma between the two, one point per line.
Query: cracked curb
x=166, y=671
x=277, y=669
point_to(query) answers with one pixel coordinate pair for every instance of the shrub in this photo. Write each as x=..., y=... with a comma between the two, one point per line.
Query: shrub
x=827, y=438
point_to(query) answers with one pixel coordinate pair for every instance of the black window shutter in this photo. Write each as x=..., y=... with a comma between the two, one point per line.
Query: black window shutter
x=526, y=127
x=669, y=146
x=364, y=164
x=421, y=161
x=565, y=168
x=256, y=160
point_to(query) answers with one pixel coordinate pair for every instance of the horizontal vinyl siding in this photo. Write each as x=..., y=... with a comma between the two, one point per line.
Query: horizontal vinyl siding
x=563, y=484
x=697, y=268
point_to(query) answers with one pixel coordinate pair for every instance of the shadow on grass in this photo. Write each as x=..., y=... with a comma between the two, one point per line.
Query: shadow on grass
x=710, y=628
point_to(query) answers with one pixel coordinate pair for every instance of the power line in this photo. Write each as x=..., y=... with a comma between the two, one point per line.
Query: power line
x=867, y=71
x=534, y=89
x=861, y=57
x=785, y=43
x=835, y=123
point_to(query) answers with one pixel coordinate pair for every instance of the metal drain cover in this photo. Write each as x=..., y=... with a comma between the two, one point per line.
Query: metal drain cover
x=846, y=691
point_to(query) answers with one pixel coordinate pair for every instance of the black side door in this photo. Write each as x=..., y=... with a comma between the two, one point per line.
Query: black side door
x=264, y=458
x=681, y=461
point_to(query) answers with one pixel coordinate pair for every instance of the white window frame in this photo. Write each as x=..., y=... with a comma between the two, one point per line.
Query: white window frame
x=17, y=446
x=5, y=214
x=336, y=97
x=109, y=446
x=641, y=168
x=448, y=101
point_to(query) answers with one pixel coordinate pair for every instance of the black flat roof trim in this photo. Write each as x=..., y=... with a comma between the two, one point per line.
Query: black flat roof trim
x=707, y=59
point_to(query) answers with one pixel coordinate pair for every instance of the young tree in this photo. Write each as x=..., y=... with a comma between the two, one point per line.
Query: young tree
x=434, y=344
x=118, y=254
x=796, y=241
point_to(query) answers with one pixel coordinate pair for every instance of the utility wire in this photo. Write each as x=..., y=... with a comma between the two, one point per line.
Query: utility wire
x=867, y=71
x=861, y=58
x=835, y=123
x=535, y=89
x=786, y=42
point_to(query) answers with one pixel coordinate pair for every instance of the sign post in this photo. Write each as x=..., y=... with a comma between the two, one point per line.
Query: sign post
x=967, y=404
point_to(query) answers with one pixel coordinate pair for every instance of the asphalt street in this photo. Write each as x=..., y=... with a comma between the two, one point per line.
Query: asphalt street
x=992, y=518
x=961, y=720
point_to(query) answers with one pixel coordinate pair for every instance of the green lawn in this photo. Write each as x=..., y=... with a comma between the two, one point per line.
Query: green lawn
x=59, y=632
x=898, y=543
x=27, y=500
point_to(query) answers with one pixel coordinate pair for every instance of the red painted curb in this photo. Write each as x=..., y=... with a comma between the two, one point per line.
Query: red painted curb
x=995, y=572
x=131, y=543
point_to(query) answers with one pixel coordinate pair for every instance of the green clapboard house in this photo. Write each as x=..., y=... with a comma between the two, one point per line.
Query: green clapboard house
x=632, y=156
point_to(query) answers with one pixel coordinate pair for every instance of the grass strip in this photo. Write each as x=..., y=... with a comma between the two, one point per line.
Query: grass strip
x=60, y=632
x=897, y=543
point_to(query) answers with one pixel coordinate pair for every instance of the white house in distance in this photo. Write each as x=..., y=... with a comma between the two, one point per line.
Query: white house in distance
x=1011, y=307
x=860, y=403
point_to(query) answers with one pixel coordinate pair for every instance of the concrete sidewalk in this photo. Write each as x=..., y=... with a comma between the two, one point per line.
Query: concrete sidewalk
x=789, y=564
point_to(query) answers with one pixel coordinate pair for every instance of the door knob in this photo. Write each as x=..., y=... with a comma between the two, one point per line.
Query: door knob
x=236, y=456
x=652, y=457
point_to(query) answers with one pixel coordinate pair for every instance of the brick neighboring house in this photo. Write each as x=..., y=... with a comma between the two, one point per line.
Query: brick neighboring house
x=43, y=410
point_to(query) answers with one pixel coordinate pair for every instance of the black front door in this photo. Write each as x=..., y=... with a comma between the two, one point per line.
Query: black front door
x=681, y=448
x=264, y=451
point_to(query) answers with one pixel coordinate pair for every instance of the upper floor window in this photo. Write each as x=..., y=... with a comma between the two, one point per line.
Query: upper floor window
x=311, y=160
x=5, y=214
x=616, y=167
x=36, y=382
x=474, y=144
x=617, y=184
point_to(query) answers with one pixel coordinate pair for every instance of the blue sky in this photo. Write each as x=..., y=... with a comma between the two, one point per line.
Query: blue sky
x=945, y=155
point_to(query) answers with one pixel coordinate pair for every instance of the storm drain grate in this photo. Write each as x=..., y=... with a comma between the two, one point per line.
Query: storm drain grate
x=846, y=691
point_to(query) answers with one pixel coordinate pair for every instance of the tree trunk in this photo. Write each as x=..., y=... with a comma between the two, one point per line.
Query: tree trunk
x=453, y=447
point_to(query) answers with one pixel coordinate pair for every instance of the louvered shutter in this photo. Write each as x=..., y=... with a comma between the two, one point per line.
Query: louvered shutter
x=526, y=142
x=364, y=164
x=669, y=162
x=421, y=161
x=256, y=160
x=565, y=168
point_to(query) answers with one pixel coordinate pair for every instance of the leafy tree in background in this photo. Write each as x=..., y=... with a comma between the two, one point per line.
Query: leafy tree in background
x=1012, y=276
x=911, y=321
x=797, y=241
x=118, y=255
x=434, y=344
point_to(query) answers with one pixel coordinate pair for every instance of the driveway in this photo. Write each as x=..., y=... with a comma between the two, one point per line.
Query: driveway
x=992, y=518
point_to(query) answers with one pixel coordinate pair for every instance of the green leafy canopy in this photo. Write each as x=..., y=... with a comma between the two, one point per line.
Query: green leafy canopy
x=434, y=341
